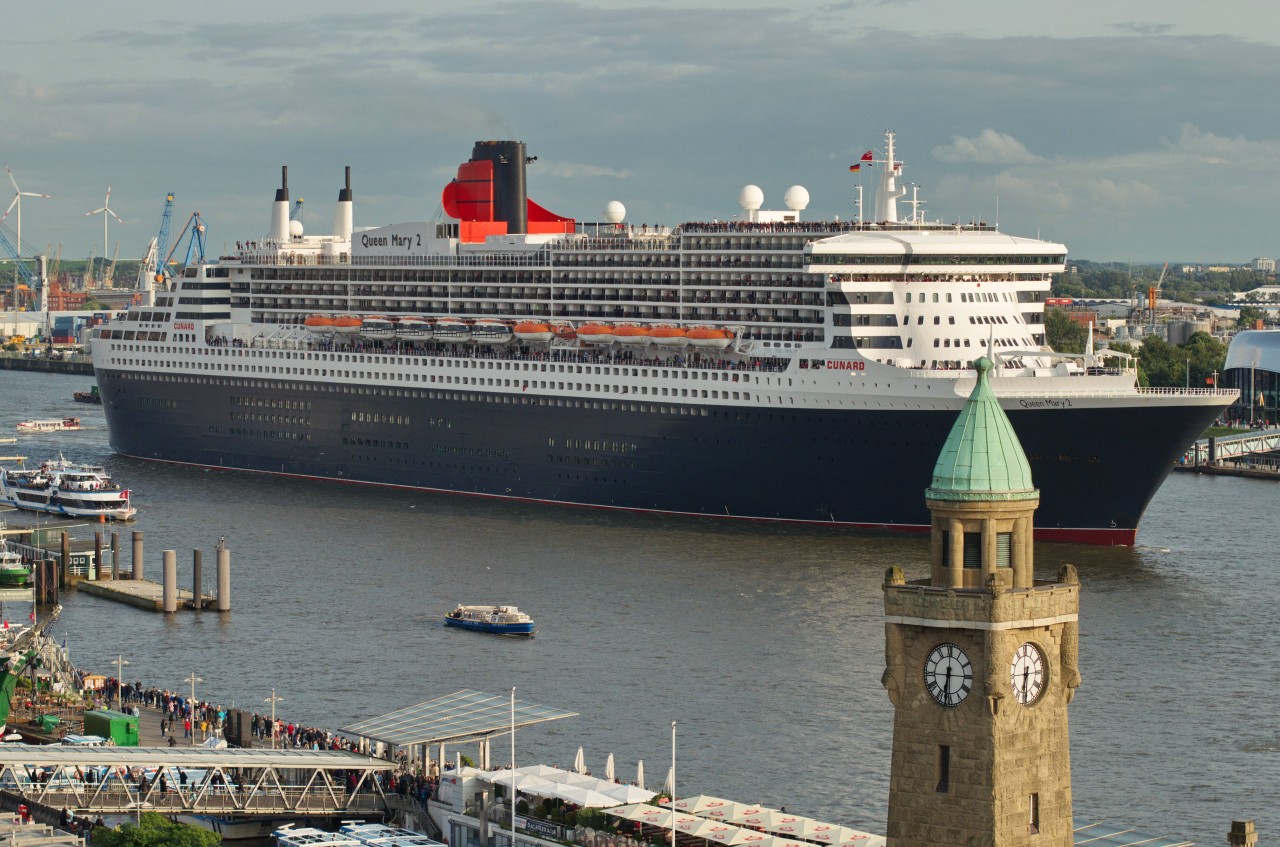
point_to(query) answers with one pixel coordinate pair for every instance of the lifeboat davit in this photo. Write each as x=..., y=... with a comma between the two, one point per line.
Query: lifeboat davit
x=413, y=329
x=451, y=329
x=491, y=332
x=377, y=328
x=710, y=337
x=596, y=333
x=322, y=324
x=668, y=335
x=346, y=324
x=533, y=331
x=565, y=332
x=632, y=334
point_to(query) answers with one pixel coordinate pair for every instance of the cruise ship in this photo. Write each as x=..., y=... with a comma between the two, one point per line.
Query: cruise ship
x=762, y=367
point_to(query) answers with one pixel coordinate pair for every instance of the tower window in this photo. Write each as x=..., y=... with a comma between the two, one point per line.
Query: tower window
x=944, y=768
x=972, y=550
x=1004, y=540
x=1035, y=815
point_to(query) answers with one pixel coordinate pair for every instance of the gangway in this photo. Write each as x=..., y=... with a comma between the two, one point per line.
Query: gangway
x=1230, y=447
x=199, y=780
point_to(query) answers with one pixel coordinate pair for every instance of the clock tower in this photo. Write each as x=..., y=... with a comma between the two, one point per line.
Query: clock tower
x=981, y=657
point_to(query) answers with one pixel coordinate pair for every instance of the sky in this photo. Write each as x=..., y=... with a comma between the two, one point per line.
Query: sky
x=1129, y=130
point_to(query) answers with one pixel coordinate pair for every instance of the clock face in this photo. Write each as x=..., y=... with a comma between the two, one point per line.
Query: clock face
x=1027, y=674
x=948, y=675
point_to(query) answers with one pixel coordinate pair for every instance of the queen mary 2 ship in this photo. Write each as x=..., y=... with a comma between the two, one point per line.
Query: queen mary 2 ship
x=768, y=368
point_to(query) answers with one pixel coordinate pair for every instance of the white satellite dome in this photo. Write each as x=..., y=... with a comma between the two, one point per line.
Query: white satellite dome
x=614, y=212
x=751, y=197
x=796, y=198
x=295, y=228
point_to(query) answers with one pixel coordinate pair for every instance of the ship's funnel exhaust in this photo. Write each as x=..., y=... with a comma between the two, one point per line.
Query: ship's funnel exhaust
x=510, y=195
x=280, y=209
x=342, y=216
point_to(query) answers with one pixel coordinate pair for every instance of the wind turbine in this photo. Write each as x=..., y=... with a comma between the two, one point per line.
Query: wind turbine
x=105, y=211
x=18, y=194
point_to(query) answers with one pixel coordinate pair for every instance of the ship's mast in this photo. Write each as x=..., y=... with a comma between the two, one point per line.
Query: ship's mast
x=887, y=198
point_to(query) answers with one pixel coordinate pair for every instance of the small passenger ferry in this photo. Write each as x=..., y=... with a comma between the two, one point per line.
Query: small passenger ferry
x=56, y=425
x=61, y=487
x=501, y=620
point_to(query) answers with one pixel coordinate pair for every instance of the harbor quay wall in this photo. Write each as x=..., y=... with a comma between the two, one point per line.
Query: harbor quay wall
x=80, y=365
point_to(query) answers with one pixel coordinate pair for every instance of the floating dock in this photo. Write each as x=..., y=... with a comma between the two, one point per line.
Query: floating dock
x=142, y=593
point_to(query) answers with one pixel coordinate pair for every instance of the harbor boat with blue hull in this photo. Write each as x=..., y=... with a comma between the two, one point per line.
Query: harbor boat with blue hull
x=498, y=620
x=768, y=368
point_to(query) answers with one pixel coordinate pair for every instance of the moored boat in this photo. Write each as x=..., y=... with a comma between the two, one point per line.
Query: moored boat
x=829, y=366
x=90, y=396
x=499, y=620
x=55, y=425
x=13, y=571
x=60, y=487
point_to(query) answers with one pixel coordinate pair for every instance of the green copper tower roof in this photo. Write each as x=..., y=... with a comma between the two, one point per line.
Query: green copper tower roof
x=982, y=459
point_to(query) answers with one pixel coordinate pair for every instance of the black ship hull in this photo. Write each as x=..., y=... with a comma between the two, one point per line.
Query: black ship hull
x=864, y=468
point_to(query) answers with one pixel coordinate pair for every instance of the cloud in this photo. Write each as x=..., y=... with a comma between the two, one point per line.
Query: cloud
x=989, y=147
x=1145, y=28
x=571, y=170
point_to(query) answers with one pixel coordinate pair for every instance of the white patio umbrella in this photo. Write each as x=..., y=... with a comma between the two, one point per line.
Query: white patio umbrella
x=580, y=762
x=627, y=793
x=608, y=767
x=693, y=825
x=668, y=787
x=585, y=796
x=723, y=833
x=640, y=773
x=793, y=826
x=699, y=803
x=722, y=810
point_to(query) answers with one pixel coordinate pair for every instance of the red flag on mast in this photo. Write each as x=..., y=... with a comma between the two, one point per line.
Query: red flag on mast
x=868, y=156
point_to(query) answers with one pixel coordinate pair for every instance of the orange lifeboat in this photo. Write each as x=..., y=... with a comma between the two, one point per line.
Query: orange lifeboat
x=710, y=337
x=533, y=331
x=565, y=332
x=347, y=324
x=596, y=333
x=669, y=335
x=322, y=324
x=632, y=334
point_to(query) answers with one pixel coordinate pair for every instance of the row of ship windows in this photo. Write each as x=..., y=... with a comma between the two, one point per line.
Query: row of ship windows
x=968, y=296
x=932, y=259
x=270, y=403
x=592, y=461
x=470, y=380
x=598, y=446
x=537, y=363
x=373, y=417
x=270, y=434
x=254, y=417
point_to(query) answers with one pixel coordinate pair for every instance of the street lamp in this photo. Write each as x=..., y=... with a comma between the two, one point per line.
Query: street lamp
x=273, y=699
x=673, y=784
x=1188, y=374
x=193, y=679
x=121, y=661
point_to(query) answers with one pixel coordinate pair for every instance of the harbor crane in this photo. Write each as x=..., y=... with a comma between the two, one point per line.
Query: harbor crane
x=109, y=279
x=195, y=226
x=33, y=282
x=88, y=267
x=1153, y=295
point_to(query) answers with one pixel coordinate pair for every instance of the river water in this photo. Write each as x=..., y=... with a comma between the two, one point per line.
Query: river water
x=764, y=644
